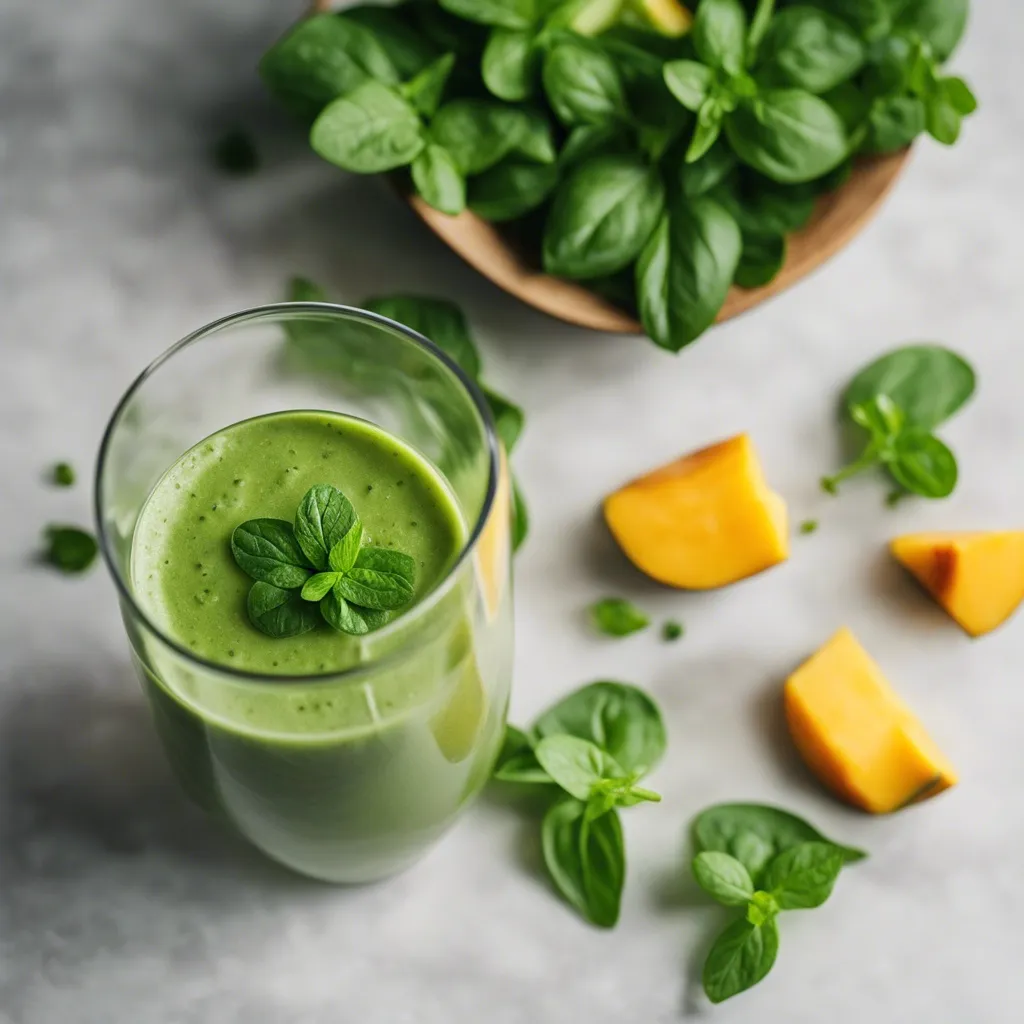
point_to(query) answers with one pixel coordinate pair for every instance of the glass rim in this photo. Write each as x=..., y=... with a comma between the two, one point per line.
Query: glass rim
x=268, y=312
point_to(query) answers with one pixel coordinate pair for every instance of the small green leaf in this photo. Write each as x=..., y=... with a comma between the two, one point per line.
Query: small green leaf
x=345, y=617
x=583, y=84
x=509, y=63
x=381, y=579
x=723, y=877
x=439, y=181
x=923, y=465
x=511, y=189
x=266, y=550
x=69, y=548
x=690, y=82
x=63, y=474
x=761, y=260
x=520, y=516
x=803, y=876
x=345, y=552
x=316, y=587
x=809, y=526
x=671, y=631
x=425, y=90
x=577, y=765
x=508, y=418
x=614, y=616
x=719, y=34
x=280, y=613
x=517, y=761
x=762, y=907
x=740, y=957
x=324, y=517
x=506, y=13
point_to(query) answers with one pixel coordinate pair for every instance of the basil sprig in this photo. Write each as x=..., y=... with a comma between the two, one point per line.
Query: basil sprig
x=320, y=561
x=595, y=745
x=898, y=400
x=639, y=164
x=763, y=860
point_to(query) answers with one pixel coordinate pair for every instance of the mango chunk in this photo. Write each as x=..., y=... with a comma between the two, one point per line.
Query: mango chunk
x=856, y=735
x=703, y=521
x=667, y=17
x=977, y=577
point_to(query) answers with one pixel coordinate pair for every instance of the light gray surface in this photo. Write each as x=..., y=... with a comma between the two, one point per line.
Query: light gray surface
x=120, y=905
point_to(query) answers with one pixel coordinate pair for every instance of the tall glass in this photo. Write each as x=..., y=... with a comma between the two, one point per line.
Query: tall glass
x=362, y=795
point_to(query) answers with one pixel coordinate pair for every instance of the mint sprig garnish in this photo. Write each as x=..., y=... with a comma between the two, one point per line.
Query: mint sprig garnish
x=320, y=560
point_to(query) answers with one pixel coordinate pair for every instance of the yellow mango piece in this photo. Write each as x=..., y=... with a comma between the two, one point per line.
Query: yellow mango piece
x=856, y=735
x=703, y=521
x=977, y=577
x=492, y=547
x=667, y=17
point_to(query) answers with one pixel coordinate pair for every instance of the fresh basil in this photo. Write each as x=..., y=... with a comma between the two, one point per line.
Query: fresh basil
x=509, y=419
x=509, y=63
x=520, y=516
x=803, y=876
x=477, y=133
x=583, y=84
x=685, y=270
x=761, y=260
x=266, y=550
x=575, y=764
x=518, y=762
x=409, y=50
x=810, y=49
x=894, y=122
x=586, y=859
x=506, y=13
x=940, y=23
x=690, y=82
x=511, y=189
x=720, y=34
x=345, y=617
x=425, y=90
x=740, y=957
x=380, y=579
x=369, y=130
x=723, y=877
x=699, y=177
x=614, y=616
x=323, y=519
x=278, y=612
x=438, y=179
x=317, y=586
x=70, y=549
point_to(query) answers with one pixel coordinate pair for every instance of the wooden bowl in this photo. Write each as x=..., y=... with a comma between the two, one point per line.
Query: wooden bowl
x=838, y=217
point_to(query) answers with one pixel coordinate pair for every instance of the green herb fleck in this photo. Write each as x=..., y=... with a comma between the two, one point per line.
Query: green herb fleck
x=671, y=630
x=235, y=154
x=614, y=616
x=809, y=526
x=69, y=548
x=63, y=474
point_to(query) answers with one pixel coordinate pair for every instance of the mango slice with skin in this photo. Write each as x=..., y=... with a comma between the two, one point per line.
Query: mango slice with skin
x=978, y=578
x=856, y=735
x=703, y=521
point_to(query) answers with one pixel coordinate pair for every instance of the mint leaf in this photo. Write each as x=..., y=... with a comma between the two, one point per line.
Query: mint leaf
x=278, y=612
x=803, y=876
x=316, y=587
x=343, y=555
x=70, y=549
x=266, y=550
x=381, y=579
x=324, y=517
x=740, y=957
x=614, y=616
x=723, y=877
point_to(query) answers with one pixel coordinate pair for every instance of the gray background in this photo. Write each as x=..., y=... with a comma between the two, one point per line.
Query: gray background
x=119, y=904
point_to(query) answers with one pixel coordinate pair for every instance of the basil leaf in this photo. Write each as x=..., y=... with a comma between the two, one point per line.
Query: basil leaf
x=759, y=26
x=740, y=957
x=70, y=549
x=617, y=717
x=942, y=120
x=923, y=465
x=810, y=49
x=382, y=579
x=321, y=58
x=723, y=877
x=689, y=82
x=438, y=320
x=928, y=382
x=323, y=518
x=577, y=765
x=509, y=63
x=787, y=134
x=345, y=617
x=506, y=13
x=803, y=876
x=940, y=23
x=517, y=761
x=424, y=91
x=685, y=270
x=602, y=215
x=707, y=130
x=266, y=550
x=767, y=208
x=761, y=260
x=520, y=516
x=755, y=833
x=700, y=176
x=534, y=139
x=872, y=18
x=477, y=133
x=510, y=189
x=317, y=586
x=409, y=50
x=762, y=907
x=583, y=84
x=372, y=129
x=343, y=554
x=586, y=141
x=439, y=181
x=958, y=93
x=615, y=616
x=278, y=612
x=586, y=860
x=719, y=34
x=508, y=419
x=894, y=122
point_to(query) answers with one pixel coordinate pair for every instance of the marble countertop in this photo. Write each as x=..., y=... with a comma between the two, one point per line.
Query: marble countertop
x=119, y=904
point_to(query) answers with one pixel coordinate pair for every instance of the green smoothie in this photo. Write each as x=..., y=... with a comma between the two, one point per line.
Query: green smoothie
x=350, y=776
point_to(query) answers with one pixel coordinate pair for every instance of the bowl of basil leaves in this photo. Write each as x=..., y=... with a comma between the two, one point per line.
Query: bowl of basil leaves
x=624, y=164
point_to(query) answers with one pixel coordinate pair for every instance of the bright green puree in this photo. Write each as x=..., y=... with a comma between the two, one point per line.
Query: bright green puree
x=341, y=779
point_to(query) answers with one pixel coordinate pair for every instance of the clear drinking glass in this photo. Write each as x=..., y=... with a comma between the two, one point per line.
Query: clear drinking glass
x=362, y=795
